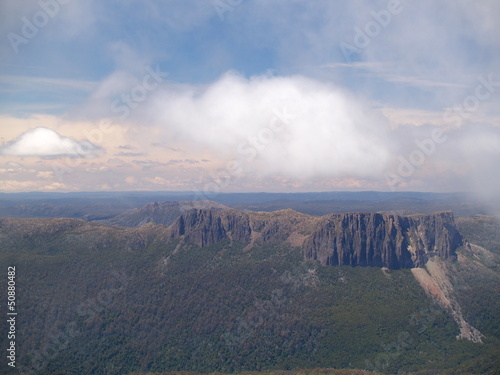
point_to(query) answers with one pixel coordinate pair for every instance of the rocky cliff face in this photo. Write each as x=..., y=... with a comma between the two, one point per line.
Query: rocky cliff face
x=382, y=240
x=207, y=227
x=356, y=239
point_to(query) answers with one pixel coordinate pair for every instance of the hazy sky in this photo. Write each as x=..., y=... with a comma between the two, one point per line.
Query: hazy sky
x=250, y=95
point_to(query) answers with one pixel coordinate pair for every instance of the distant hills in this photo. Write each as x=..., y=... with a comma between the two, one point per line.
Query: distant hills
x=163, y=213
x=105, y=206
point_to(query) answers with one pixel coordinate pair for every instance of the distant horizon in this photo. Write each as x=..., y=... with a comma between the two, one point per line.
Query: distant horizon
x=250, y=96
x=179, y=192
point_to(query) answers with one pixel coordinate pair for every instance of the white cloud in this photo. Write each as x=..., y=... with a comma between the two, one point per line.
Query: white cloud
x=411, y=116
x=8, y=186
x=45, y=174
x=326, y=132
x=46, y=142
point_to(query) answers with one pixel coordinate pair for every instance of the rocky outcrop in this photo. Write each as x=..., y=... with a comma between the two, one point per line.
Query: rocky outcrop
x=355, y=239
x=207, y=227
x=382, y=240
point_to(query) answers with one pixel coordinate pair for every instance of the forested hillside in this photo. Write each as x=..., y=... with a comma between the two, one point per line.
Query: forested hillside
x=95, y=299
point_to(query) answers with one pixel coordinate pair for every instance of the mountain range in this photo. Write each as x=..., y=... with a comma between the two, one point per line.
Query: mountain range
x=203, y=287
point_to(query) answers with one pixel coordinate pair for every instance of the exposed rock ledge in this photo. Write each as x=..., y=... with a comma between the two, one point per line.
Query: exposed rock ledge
x=356, y=239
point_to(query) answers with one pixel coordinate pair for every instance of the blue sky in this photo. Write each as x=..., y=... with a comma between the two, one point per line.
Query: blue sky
x=354, y=122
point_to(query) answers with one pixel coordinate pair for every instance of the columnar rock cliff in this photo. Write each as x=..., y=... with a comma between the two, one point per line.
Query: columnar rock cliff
x=355, y=239
x=207, y=227
x=383, y=240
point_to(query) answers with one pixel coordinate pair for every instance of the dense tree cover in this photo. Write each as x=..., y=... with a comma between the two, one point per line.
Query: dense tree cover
x=481, y=230
x=275, y=372
x=97, y=300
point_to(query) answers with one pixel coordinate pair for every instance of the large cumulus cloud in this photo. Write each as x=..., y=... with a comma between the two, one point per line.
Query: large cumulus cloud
x=291, y=125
